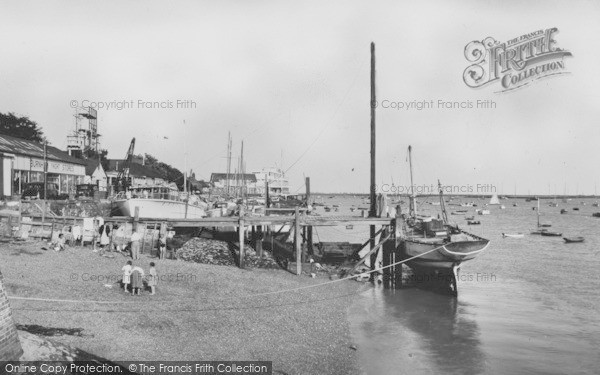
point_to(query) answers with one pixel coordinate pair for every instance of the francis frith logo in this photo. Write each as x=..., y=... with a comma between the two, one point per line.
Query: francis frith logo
x=514, y=63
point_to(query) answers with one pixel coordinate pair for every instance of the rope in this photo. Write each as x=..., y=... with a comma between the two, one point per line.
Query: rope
x=225, y=298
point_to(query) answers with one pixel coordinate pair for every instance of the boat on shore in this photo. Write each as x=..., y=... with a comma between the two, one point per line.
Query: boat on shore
x=158, y=201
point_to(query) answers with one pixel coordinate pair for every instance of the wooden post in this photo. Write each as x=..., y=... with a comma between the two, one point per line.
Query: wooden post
x=143, y=239
x=389, y=258
x=297, y=244
x=373, y=104
x=241, y=230
x=112, y=234
x=136, y=218
x=309, y=229
x=51, y=230
x=259, y=238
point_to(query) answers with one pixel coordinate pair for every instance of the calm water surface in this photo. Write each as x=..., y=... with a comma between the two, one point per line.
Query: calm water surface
x=525, y=306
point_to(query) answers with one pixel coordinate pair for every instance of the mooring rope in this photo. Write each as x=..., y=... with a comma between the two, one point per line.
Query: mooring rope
x=231, y=297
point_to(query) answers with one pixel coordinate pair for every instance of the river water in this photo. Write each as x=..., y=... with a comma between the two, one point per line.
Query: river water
x=525, y=306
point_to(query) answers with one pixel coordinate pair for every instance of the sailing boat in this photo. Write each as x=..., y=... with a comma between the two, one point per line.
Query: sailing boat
x=494, y=200
x=540, y=227
x=438, y=246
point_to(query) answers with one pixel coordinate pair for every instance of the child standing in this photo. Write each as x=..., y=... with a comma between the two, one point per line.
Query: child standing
x=152, y=278
x=162, y=246
x=127, y=275
x=137, y=280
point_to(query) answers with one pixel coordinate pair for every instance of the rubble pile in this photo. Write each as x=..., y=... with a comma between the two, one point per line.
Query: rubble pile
x=209, y=251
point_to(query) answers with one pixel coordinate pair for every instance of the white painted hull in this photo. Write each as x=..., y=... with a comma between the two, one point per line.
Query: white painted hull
x=446, y=256
x=159, y=208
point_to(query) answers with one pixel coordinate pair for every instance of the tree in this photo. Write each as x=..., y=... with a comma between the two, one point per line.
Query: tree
x=168, y=172
x=21, y=127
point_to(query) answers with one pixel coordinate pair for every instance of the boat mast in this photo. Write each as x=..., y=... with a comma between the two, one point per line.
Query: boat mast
x=228, y=182
x=442, y=203
x=184, y=162
x=413, y=200
x=538, y=212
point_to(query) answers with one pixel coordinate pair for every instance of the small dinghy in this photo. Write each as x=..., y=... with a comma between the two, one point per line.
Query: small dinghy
x=573, y=239
x=513, y=235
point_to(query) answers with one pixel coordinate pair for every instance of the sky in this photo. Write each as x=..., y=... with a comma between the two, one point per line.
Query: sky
x=292, y=81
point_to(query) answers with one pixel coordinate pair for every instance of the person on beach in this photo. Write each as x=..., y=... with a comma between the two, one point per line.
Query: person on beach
x=135, y=245
x=104, y=235
x=60, y=243
x=127, y=275
x=137, y=280
x=162, y=246
x=152, y=278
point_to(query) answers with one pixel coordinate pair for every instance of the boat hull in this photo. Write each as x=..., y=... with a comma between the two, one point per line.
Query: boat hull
x=158, y=208
x=446, y=255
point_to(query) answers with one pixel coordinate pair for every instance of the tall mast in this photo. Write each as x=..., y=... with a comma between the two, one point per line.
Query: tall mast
x=373, y=209
x=227, y=182
x=413, y=208
x=242, y=169
x=442, y=203
x=184, y=161
x=538, y=212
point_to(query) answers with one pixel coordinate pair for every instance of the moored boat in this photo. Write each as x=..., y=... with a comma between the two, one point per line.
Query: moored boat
x=573, y=239
x=513, y=235
x=432, y=245
x=551, y=234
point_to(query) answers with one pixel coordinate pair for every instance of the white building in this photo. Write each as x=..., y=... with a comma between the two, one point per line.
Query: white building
x=22, y=161
x=278, y=183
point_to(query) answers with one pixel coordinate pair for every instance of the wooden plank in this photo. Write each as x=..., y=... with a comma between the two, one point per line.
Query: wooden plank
x=368, y=255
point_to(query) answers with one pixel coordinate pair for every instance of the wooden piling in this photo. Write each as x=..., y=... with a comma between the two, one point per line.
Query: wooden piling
x=136, y=218
x=259, y=239
x=373, y=105
x=241, y=230
x=297, y=243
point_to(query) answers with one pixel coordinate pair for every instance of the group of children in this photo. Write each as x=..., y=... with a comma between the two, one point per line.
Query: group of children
x=134, y=276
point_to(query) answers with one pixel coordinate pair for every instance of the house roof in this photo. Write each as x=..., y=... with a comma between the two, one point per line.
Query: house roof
x=91, y=166
x=250, y=177
x=19, y=146
x=135, y=169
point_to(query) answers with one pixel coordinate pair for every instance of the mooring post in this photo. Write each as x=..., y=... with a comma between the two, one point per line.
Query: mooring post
x=297, y=244
x=136, y=218
x=241, y=231
x=259, y=238
x=373, y=105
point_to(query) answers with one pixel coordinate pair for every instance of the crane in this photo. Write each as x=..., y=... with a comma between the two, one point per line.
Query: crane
x=122, y=181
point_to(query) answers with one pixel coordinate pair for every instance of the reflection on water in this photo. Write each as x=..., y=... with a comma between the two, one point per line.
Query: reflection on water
x=411, y=331
x=538, y=314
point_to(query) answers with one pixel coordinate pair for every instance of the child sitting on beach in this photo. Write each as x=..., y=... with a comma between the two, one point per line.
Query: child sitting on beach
x=60, y=243
x=127, y=275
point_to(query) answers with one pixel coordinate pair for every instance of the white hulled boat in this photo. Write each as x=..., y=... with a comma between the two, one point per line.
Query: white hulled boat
x=159, y=201
x=438, y=246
